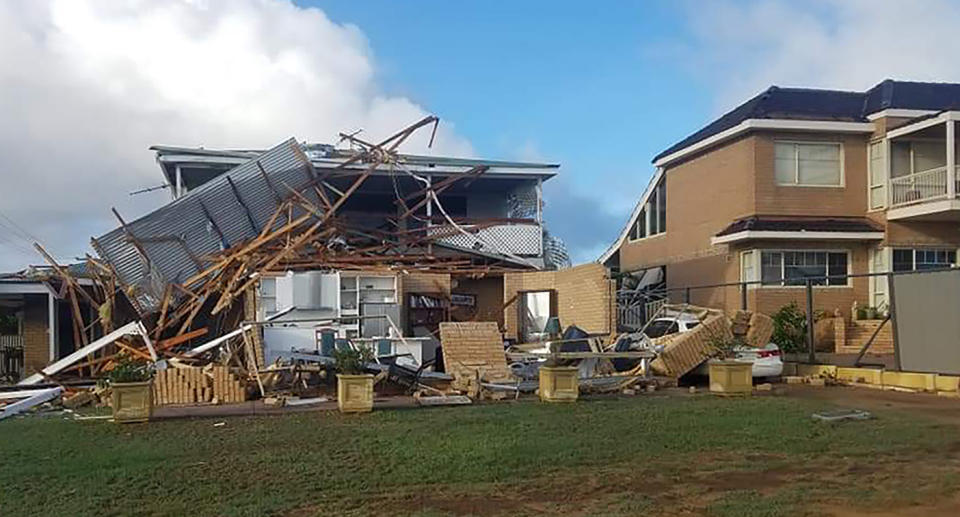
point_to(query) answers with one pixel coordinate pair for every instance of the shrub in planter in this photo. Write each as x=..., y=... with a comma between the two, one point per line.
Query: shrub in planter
x=354, y=386
x=132, y=398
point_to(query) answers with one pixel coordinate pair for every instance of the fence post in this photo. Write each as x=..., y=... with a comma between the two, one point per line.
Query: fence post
x=811, y=346
x=743, y=296
x=892, y=312
x=686, y=295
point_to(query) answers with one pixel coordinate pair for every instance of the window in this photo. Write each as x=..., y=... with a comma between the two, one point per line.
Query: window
x=920, y=259
x=793, y=268
x=808, y=163
x=268, y=296
x=915, y=156
x=639, y=229
x=660, y=328
x=878, y=175
x=652, y=219
x=662, y=205
x=878, y=284
x=748, y=268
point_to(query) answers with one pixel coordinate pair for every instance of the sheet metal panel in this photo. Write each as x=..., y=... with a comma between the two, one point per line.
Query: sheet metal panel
x=928, y=330
x=184, y=219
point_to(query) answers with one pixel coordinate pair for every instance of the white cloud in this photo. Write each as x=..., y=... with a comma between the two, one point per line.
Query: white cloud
x=743, y=47
x=87, y=86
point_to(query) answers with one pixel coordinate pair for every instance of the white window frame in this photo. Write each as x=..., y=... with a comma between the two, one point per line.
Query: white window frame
x=261, y=310
x=757, y=267
x=880, y=260
x=796, y=161
x=882, y=187
x=649, y=214
x=914, y=250
x=749, y=259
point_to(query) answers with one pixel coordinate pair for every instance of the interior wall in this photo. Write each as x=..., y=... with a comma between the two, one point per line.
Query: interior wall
x=489, y=294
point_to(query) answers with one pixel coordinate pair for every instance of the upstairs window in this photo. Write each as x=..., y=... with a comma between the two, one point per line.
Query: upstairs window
x=814, y=164
x=878, y=175
x=652, y=219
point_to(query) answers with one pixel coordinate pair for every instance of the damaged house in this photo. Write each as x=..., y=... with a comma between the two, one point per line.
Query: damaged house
x=264, y=256
x=444, y=260
x=267, y=262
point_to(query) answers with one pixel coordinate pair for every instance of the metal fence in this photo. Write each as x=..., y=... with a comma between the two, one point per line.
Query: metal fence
x=736, y=294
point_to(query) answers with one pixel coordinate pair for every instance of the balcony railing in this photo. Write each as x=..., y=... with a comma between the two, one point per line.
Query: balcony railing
x=11, y=358
x=922, y=186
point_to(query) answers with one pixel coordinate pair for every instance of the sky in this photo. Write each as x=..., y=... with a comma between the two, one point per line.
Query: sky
x=87, y=86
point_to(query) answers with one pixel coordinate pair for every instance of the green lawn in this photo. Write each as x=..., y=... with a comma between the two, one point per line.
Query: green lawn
x=694, y=454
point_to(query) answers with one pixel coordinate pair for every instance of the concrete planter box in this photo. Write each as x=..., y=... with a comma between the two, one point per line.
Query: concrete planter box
x=355, y=393
x=132, y=401
x=559, y=384
x=731, y=377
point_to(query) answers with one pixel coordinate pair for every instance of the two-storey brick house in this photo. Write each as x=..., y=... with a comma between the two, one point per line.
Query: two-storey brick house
x=803, y=183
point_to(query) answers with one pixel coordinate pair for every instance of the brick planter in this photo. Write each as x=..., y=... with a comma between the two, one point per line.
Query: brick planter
x=559, y=384
x=731, y=377
x=355, y=393
x=132, y=401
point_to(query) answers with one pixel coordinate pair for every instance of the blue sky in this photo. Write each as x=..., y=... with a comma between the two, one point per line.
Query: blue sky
x=597, y=90
x=600, y=88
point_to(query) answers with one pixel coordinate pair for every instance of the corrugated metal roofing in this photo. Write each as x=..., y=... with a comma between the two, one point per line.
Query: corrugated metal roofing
x=174, y=235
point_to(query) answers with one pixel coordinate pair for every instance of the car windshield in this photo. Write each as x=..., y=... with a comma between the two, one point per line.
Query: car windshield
x=691, y=324
x=658, y=328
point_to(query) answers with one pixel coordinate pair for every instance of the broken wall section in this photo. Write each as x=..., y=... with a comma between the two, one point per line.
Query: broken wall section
x=585, y=297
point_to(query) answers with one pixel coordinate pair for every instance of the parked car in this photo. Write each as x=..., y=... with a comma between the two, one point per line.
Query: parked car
x=766, y=360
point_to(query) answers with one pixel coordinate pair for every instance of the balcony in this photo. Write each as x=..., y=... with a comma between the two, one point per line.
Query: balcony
x=920, y=187
x=923, y=171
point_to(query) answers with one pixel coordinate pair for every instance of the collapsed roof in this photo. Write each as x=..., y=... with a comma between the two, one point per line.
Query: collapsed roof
x=278, y=210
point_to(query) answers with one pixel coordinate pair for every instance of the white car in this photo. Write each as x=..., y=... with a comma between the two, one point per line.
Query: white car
x=766, y=360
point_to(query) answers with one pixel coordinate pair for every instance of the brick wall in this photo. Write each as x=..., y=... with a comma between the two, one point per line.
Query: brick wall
x=848, y=200
x=857, y=333
x=472, y=346
x=425, y=283
x=704, y=195
x=585, y=296
x=489, y=294
x=36, y=340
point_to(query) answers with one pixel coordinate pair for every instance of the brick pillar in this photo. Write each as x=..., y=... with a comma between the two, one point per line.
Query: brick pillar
x=839, y=333
x=36, y=339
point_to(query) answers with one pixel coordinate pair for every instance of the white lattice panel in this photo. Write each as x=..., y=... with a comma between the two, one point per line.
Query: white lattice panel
x=518, y=239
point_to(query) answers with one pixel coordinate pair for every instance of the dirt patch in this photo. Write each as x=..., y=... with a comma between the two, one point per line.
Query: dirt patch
x=937, y=408
x=471, y=505
x=950, y=507
x=764, y=482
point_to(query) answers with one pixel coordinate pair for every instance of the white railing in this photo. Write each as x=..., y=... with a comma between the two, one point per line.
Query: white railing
x=956, y=180
x=10, y=341
x=918, y=187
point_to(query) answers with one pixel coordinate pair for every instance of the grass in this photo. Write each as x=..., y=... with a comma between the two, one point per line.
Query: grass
x=757, y=456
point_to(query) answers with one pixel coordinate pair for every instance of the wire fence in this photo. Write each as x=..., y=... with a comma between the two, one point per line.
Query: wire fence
x=634, y=307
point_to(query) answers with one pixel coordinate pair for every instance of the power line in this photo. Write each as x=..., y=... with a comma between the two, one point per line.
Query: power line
x=27, y=236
